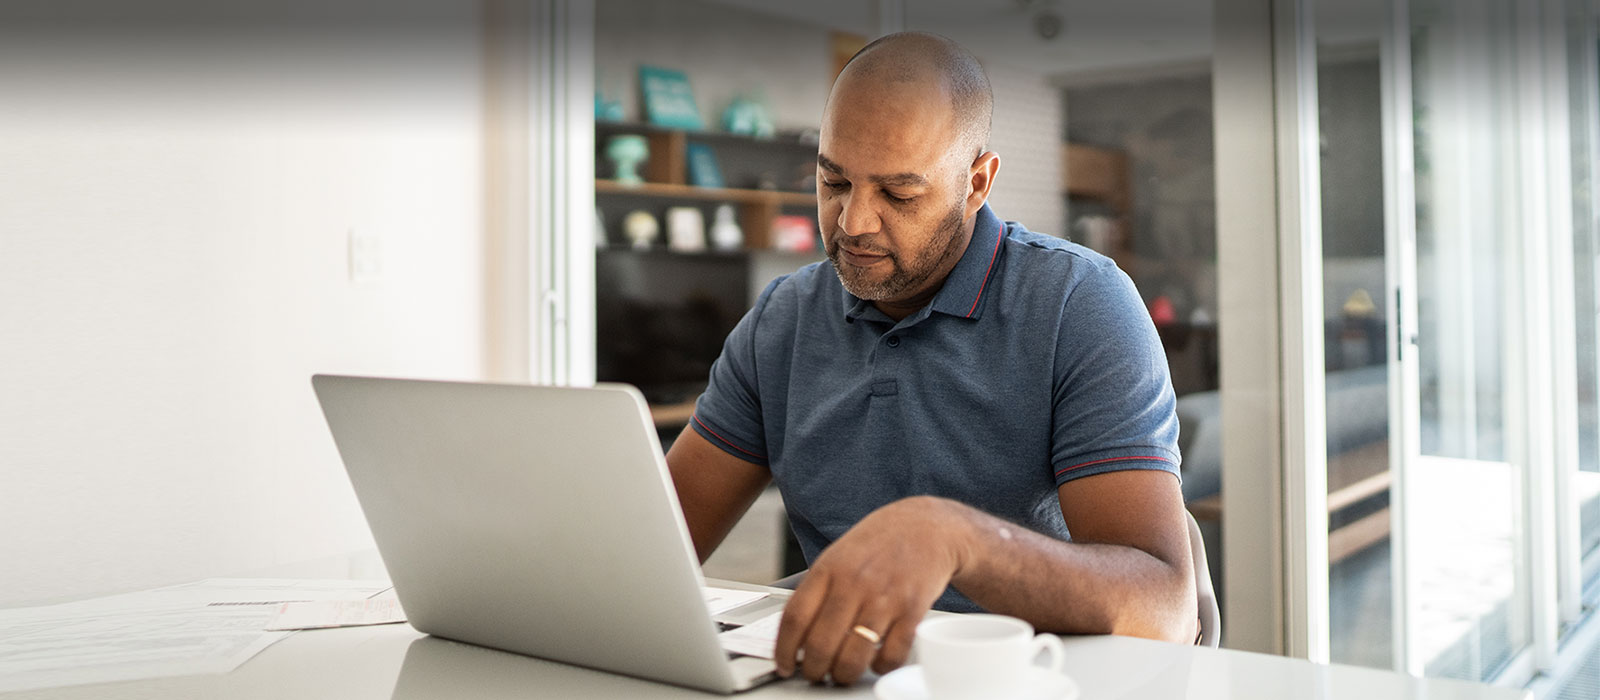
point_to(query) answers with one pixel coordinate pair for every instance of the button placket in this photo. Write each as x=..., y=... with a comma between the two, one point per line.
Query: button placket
x=886, y=368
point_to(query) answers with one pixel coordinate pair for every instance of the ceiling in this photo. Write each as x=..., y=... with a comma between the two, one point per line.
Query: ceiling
x=1094, y=36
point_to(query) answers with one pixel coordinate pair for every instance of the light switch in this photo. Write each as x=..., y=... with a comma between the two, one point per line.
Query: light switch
x=366, y=256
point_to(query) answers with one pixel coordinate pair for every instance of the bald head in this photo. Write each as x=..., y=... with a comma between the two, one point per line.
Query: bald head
x=932, y=63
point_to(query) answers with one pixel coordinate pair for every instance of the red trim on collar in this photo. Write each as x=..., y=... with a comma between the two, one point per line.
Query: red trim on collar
x=990, y=269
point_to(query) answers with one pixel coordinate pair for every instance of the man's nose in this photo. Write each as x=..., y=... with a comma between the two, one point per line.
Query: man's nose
x=858, y=216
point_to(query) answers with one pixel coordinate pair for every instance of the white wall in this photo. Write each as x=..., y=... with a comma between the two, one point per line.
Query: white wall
x=1026, y=133
x=726, y=53
x=176, y=192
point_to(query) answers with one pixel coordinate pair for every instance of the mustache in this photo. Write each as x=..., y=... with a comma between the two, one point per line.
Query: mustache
x=858, y=247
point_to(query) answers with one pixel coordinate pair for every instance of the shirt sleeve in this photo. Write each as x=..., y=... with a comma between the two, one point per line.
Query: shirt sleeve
x=728, y=414
x=1113, y=398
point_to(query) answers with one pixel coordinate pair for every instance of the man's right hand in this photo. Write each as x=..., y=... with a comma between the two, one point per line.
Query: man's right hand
x=883, y=575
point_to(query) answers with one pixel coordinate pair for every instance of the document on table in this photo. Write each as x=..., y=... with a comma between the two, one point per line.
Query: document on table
x=322, y=614
x=721, y=600
x=209, y=626
x=755, y=639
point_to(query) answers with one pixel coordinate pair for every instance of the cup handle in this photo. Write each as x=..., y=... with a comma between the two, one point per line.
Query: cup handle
x=1058, y=652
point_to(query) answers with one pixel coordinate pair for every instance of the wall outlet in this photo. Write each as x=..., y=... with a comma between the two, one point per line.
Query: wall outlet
x=366, y=256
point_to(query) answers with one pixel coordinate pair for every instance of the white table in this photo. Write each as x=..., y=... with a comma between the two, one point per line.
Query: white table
x=396, y=661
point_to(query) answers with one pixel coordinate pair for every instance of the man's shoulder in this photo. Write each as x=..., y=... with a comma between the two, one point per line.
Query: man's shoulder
x=1037, y=253
x=797, y=291
x=814, y=279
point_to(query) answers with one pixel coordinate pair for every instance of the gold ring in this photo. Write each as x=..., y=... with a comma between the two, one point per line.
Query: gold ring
x=866, y=633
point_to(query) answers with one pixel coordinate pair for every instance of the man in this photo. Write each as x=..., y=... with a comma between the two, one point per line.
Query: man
x=946, y=402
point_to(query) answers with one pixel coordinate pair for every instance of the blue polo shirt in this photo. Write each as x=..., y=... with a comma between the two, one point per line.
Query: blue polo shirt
x=1035, y=364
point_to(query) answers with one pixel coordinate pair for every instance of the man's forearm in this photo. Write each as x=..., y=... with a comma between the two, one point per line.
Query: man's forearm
x=1070, y=587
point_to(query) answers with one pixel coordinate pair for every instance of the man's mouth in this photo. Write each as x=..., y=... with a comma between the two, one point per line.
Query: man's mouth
x=861, y=259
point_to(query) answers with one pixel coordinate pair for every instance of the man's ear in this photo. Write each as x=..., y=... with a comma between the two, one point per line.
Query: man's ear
x=981, y=180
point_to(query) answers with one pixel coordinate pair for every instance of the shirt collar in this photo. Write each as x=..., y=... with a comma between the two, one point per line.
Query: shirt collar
x=963, y=291
x=962, y=294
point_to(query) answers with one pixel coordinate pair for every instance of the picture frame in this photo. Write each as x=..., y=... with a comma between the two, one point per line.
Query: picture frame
x=668, y=99
x=794, y=233
x=703, y=168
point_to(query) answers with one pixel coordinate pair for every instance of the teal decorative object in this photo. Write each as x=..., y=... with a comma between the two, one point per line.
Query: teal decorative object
x=668, y=101
x=703, y=170
x=626, y=151
x=748, y=117
x=606, y=110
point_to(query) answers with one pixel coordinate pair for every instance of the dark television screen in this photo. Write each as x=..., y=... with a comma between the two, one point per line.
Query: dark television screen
x=661, y=317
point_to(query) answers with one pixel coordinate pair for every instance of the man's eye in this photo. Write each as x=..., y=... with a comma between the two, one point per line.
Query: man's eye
x=835, y=186
x=896, y=199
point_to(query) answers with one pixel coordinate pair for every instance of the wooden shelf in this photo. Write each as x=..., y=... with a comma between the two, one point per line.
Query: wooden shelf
x=789, y=140
x=1096, y=173
x=666, y=174
x=1102, y=175
x=661, y=189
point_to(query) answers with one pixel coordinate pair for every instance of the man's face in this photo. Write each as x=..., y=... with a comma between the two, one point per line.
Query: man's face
x=892, y=192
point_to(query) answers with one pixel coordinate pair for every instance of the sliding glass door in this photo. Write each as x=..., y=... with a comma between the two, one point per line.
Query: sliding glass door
x=1463, y=566
x=1472, y=504
x=1579, y=483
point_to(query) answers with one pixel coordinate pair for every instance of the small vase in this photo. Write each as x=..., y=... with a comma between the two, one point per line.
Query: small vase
x=626, y=151
x=725, y=232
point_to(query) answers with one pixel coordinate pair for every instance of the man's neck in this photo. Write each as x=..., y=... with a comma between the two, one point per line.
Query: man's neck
x=898, y=309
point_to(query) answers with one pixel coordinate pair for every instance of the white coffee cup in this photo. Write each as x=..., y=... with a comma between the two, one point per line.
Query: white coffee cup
x=966, y=657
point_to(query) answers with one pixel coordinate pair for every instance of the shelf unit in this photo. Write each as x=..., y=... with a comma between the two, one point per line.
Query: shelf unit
x=756, y=208
x=1101, y=175
x=1096, y=173
x=660, y=189
x=765, y=177
x=743, y=160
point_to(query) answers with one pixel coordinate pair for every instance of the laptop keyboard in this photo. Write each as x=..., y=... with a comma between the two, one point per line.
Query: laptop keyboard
x=724, y=627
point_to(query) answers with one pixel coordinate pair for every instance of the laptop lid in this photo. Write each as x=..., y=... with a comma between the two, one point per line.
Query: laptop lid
x=538, y=520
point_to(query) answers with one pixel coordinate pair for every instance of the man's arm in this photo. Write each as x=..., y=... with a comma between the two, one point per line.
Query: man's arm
x=714, y=488
x=1128, y=571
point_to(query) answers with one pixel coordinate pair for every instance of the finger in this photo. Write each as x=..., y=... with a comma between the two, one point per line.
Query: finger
x=828, y=632
x=797, y=616
x=897, y=642
x=857, y=651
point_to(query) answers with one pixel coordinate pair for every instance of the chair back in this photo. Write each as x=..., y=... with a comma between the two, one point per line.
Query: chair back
x=1205, y=591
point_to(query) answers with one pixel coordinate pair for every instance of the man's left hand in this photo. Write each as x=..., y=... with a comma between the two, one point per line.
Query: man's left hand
x=882, y=576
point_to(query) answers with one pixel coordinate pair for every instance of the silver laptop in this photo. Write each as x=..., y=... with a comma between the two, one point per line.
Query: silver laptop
x=537, y=520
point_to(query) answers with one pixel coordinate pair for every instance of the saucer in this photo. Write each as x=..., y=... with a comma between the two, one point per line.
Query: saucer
x=907, y=683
